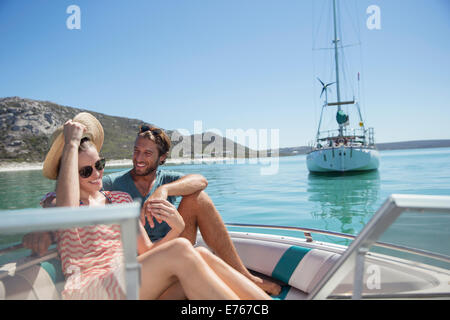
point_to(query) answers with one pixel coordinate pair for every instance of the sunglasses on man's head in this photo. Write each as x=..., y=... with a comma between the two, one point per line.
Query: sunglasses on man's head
x=86, y=172
x=145, y=128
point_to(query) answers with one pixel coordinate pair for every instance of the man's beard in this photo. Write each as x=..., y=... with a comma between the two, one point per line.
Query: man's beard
x=148, y=171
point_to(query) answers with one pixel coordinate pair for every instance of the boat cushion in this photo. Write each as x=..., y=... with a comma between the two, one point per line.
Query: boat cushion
x=312, y=268
x=2, y=291
x=54, y=270
x=33, y=283
x=257, y=255
x=288, y=263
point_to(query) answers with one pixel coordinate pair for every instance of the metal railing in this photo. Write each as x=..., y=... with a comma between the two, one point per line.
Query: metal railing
x=347, y=132
x=353, y=258
x=308, y=231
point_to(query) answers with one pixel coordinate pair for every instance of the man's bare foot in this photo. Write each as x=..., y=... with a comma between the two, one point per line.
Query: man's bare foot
x=268, y=286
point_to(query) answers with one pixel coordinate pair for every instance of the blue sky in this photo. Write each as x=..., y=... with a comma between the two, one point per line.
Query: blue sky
x=233, y=64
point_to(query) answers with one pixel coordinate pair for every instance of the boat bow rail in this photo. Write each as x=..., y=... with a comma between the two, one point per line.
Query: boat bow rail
x=34, y=220
x=308, y=235
x=393, y=210
x=348, y=136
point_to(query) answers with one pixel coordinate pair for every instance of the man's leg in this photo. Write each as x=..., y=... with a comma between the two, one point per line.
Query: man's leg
x=198, y=210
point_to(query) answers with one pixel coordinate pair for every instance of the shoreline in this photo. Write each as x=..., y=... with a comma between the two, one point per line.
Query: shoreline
x=20, y=166
x=7, y=166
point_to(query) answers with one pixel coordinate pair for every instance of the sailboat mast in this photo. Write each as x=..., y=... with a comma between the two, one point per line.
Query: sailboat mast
x=336, y=58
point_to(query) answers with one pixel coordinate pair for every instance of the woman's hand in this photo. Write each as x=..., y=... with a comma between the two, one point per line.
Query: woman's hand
x=163, y=210
x=160, y=193
x=73, y=132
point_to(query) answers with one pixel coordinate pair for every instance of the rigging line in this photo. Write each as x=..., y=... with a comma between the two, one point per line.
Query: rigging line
x=352, y=20
x=315, y=36
x=341, y=52
x=313, y=63
x=360, y=82
x=323, y=29
x=330, y=35
x=322, y=12
x=347, y=80
x=339, y=47
x=354, y=24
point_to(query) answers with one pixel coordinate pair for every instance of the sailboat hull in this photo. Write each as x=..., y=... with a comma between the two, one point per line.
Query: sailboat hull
x=343, y=159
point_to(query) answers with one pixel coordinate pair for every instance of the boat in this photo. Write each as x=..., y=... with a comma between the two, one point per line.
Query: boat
x=401, y=253
x=350, y=146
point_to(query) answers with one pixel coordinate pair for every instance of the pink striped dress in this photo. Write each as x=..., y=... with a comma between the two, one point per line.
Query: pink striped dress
x=92, y=259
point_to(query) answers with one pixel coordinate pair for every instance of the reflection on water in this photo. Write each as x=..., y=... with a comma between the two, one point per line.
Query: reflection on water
x=349, y=200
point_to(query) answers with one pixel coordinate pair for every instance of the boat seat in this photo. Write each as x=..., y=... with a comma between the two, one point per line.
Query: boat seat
x=2, y=291
x=300, y=268
x=307, y=274
x=312, y=268
x=33, y=283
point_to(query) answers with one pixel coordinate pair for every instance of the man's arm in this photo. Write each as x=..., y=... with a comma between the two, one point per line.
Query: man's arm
x=39, y=242
x=186, y=185
x=183, y=186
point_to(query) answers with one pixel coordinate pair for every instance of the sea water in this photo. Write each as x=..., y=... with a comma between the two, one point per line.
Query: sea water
x=290, y=197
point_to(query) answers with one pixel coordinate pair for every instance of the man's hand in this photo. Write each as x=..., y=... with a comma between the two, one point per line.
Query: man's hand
x=163, y=210
x=161, y=193
x=38, y=242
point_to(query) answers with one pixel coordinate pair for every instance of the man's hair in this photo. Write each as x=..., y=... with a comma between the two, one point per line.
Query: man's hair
x=159, y=137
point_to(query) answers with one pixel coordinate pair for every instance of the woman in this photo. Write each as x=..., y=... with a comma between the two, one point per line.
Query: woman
x=91, y=256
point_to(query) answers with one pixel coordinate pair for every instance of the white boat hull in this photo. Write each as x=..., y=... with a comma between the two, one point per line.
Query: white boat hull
x=343, y=159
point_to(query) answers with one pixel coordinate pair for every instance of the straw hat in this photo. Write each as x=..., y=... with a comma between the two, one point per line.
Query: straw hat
x=94, y=131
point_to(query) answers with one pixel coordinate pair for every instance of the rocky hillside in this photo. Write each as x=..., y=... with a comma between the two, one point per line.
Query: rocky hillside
x=26, y=127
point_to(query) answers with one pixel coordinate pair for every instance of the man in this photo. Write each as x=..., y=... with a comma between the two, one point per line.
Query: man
x=149, y=184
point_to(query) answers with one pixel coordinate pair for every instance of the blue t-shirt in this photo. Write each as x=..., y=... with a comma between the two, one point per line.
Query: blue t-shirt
x=122, y=181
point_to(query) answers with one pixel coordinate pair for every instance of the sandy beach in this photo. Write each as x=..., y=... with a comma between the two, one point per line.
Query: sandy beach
x=22, y=166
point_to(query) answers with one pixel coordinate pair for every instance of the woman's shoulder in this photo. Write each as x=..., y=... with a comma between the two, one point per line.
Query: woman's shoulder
x=118, y=196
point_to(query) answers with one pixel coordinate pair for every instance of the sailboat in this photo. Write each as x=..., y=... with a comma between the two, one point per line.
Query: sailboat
x=342, y=149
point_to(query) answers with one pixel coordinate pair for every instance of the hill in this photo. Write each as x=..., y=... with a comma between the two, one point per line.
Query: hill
x=26, y=127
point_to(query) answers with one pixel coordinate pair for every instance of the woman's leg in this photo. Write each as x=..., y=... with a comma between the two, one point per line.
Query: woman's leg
x=237, y=282
x=174, y=292
x=177, y=260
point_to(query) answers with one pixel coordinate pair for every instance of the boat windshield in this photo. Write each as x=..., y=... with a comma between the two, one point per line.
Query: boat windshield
x=403, y=251
x=24, y=276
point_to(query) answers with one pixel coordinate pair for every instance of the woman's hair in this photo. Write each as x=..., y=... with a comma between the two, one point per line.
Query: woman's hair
x=159, y=137
x=85, y=144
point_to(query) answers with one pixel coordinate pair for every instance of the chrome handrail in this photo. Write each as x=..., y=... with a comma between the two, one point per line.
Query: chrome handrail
x=301, y=229
x=11, y=248
x=12, y=267
x=307, y=233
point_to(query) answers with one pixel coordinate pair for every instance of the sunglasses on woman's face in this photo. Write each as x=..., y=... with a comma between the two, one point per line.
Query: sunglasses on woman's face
x=86, y=172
